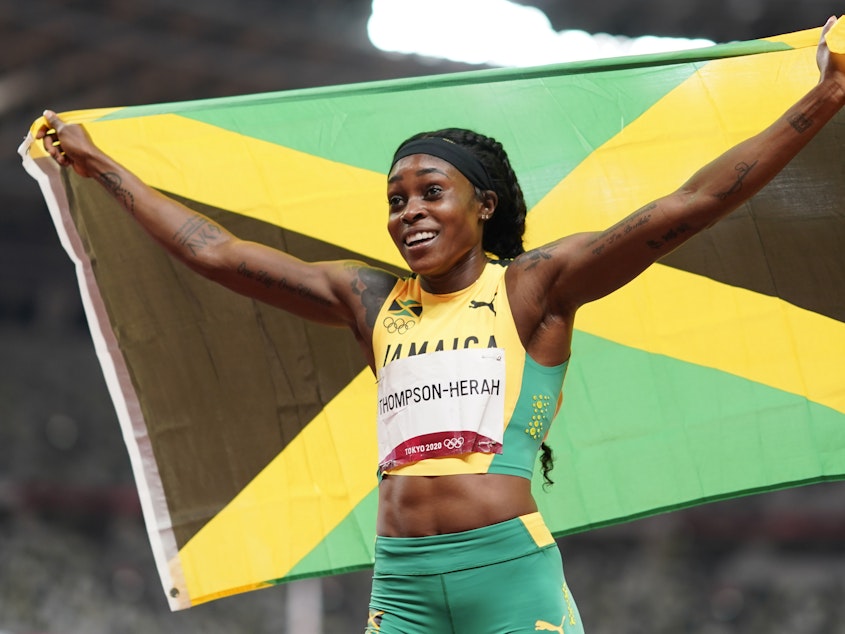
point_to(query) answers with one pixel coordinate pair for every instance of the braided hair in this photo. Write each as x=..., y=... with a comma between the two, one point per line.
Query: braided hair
x=504, y=230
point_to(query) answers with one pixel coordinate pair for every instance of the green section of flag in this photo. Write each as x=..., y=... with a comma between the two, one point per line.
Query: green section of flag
x=497, y=103
x=648, y=433
x=515, y=113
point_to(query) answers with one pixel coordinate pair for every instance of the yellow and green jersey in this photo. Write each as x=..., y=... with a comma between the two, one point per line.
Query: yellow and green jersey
x=457, y=391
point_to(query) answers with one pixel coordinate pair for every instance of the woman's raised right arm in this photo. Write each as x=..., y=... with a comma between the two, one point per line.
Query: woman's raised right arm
x=335, y=293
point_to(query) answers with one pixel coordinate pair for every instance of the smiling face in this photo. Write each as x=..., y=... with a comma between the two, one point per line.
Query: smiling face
x=436, y=221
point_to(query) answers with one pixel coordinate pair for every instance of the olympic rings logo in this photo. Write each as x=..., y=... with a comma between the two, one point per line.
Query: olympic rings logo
x=454, y=443
x=398, y=324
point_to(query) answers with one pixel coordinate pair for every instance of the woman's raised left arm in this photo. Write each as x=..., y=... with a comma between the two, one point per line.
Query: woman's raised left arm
x=592, y=265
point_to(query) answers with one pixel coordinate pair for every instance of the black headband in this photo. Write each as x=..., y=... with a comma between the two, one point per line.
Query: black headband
x=459, y=157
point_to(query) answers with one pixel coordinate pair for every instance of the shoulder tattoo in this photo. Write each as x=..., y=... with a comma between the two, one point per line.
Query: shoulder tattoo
x=530, y=259
x=372, y=286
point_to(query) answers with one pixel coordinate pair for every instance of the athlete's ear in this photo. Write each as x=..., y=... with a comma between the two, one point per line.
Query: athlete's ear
x=489, y=200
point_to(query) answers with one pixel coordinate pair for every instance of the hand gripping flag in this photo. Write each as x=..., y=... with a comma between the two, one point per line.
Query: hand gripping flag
x=718, y=372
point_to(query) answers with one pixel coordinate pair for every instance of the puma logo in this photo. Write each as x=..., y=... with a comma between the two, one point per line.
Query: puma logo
x=476, y=304
x=545, y=626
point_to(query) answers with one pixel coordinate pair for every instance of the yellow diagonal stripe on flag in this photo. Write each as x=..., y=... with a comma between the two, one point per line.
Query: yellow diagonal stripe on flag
x=723, y=103
x=290, y=507
x=808, y=38
x=799, y=39
x=664, y=311
x=255, y=178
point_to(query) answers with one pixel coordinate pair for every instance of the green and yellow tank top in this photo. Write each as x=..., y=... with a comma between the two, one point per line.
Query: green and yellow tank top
x=457, y=393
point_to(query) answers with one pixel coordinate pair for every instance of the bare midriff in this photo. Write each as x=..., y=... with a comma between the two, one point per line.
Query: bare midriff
x=416, y=506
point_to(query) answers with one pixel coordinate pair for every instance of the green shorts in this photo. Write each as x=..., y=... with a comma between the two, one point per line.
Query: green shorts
x=501, y=579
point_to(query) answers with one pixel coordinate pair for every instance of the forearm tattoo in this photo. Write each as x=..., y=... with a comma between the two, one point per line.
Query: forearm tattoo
x=283, y=284
x=197, y=233
x=622, y=228
x=743, y=169
x=670, y=236
x=803, y=121
x=800, y=122
x=114, y=185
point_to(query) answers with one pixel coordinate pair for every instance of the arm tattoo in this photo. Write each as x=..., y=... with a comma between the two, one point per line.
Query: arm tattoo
x=268, y=281
x=370, y=287
x=532, y=258
x=114, y=185
x=743, y=169
x=197, y=233
x=622, y=228
x=800, y=122
x=670, y=236
x=803, y=121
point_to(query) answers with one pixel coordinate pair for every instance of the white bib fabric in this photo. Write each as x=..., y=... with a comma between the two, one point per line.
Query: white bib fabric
x=441, y=404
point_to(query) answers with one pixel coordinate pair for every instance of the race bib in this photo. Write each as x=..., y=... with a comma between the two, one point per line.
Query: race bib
x=441, y=404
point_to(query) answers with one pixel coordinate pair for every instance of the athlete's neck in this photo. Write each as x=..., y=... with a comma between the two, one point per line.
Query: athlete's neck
x=462, y=275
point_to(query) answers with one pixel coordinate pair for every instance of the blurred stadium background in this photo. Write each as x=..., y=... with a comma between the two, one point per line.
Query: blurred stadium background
x=74, y=556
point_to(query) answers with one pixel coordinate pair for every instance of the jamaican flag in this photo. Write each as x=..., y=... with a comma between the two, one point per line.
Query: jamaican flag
x=717, y=373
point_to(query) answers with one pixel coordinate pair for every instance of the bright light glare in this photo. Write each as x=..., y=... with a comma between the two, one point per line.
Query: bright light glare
x=497, y=33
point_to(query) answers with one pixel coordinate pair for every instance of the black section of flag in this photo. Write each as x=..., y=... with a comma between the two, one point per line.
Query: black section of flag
x=212, y=366
x=789, y=240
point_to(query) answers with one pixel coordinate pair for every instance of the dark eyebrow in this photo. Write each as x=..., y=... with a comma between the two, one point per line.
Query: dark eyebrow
x=422, y=172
